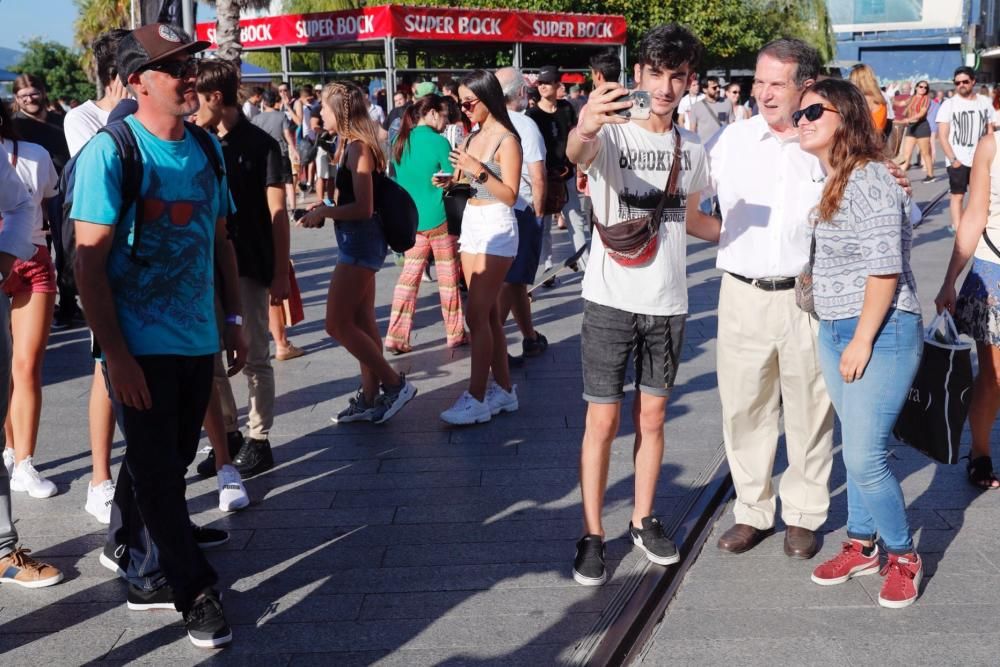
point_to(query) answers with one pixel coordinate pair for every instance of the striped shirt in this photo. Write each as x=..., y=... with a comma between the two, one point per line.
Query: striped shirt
x=869, y=236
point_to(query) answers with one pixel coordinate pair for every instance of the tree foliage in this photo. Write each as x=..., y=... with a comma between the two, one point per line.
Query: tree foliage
x=57, y=65
x=94, y=18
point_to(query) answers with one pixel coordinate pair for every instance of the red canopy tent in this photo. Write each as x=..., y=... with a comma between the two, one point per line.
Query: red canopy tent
x=392, y=29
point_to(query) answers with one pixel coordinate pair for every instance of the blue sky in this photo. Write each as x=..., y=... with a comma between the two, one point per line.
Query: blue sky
x=49, y=19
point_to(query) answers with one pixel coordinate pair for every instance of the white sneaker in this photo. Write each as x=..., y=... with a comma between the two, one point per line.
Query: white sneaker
x=8, y=460
x=232, y=494
x=27, y=480
x=467, y=410
x=500, y=400
x=100, y=498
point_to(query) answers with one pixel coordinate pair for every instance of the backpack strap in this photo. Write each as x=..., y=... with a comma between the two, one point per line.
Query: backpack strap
x=13, y=153
x=207, y=147
x=127, y=148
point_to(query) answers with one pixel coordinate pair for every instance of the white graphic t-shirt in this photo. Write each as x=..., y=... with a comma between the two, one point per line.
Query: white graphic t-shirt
x=969, y=120
x=627, y=179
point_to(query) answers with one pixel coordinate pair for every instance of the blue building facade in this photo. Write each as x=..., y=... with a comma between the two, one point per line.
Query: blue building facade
x=917, y=39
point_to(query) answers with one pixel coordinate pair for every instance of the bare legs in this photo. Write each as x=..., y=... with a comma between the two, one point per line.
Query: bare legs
x=485, y=274
x=30, y=319
x=603, y=419
x=985, y=399
x=350, y=320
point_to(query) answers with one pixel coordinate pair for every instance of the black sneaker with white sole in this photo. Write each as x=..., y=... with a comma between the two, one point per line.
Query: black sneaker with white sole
x=654, y=542
x=208, y=538
x=588, y=567
x=234, y=441
x=158, y=598
x=205, y=623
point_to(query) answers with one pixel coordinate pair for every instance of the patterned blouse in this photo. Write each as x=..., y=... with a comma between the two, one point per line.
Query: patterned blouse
x=869, y=236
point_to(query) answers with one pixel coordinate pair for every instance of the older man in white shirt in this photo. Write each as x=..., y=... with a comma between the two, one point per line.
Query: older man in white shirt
x=767, y=350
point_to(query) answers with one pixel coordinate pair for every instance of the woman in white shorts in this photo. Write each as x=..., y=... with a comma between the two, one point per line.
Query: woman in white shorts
x=491, y=159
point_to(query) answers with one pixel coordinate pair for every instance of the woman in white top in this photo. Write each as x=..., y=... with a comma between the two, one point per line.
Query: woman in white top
x=977, y=306
x=740, y=112
x=31, y=287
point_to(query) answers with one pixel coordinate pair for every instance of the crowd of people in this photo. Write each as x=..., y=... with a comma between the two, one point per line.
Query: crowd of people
x=177, y=224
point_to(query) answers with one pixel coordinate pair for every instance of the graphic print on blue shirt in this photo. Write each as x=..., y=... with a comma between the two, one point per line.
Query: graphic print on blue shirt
x=164, y=298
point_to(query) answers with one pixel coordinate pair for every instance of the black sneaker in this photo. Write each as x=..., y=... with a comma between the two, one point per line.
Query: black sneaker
x=205, y=623
x=254, y=458
x=159, y=598
x=588, y=568
x=207, y=538
x=514, y=362
x=651, y=539
x=235, y=441
x=928, y=179
x=532, y=347
x=550, y=283
x=115, y=558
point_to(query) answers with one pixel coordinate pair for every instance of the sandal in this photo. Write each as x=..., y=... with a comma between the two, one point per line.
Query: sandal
x=396, y=351
x=980, y=472
x=290, y=352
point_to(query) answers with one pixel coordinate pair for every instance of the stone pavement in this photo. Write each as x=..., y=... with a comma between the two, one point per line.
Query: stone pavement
x=761, y=608
x=407, y=544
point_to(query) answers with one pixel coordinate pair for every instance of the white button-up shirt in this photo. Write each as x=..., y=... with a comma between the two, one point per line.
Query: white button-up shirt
x=767, y=187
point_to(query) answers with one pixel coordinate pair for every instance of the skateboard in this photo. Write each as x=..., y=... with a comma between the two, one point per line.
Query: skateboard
x=559, y=268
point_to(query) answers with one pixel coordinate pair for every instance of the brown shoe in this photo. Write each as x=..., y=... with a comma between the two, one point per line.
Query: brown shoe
x=290, y=352
x=19, y=568
x=800, y=543
x=742, y=537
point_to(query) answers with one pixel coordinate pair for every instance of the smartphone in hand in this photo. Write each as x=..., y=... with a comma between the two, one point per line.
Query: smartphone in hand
x=641, y=105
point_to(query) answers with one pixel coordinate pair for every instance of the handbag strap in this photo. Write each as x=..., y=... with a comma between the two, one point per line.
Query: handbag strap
x=714, y=115
x=986, y=237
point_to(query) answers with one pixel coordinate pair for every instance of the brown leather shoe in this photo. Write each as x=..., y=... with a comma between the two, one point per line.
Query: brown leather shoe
x=742, y=537
x=800, y=543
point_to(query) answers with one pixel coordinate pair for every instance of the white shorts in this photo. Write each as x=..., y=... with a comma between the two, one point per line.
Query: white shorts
x=489, y=230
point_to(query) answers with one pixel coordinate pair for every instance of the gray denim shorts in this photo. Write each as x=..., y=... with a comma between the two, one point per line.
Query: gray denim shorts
x=610, y=335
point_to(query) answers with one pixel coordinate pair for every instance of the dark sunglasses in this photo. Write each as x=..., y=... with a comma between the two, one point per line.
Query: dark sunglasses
x=963, y=82
x=469, y=105
x=812, y=113
x=178, y=69
x=923, y=87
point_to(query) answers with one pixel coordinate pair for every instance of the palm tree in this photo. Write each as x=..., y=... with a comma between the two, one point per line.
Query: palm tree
x=96, y=17
x=227, y=17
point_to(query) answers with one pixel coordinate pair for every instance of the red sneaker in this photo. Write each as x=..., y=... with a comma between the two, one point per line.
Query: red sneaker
x=850, y=562
x=902, y=581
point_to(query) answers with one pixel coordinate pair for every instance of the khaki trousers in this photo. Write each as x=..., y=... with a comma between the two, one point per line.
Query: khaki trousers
x=768, y=358
x=258, y=371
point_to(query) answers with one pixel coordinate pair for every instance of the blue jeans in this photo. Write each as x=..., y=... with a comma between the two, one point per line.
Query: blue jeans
x=868, y=409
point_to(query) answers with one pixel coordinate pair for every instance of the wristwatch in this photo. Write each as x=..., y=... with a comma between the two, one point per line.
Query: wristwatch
x=235, y=320
x=483, y=175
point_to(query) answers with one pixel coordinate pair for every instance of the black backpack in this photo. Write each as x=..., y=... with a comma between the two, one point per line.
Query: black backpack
x=395, y=208
x=127, y=149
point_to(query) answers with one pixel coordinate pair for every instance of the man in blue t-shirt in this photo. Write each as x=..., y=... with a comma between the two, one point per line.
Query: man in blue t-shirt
x=149, y=294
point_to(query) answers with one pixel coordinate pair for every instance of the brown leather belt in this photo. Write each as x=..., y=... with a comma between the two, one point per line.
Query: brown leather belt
x=768, y=285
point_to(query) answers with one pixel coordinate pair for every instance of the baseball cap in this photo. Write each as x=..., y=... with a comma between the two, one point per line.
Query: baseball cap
x=151, y=44
x=548, y=74
x=425, y=88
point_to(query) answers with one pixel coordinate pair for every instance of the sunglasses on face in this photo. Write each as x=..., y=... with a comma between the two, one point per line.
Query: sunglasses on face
x=921, y=87
x=469, y=105
x=963, y=82
x=812, y=113
x=178, y=69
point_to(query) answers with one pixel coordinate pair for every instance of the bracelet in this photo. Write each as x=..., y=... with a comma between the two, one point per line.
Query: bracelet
x=235, y=320
x=583, y=137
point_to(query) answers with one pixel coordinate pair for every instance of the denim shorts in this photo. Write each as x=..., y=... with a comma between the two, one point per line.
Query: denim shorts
x=361, y=242
x=607, y=338
x=529, y=248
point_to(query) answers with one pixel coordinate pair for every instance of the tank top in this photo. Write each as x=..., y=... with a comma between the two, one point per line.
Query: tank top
x=993, y=217
x=880, y=116
x=479, y=190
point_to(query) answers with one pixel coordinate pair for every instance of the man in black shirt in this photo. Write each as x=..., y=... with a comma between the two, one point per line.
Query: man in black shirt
x=555, y=118
x=401, y=102
x=36, y=124
x=259, y=229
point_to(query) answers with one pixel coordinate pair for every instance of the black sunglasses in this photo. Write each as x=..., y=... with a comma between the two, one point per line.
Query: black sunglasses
x=962, y=82
x=812, y=113
x=178, y=69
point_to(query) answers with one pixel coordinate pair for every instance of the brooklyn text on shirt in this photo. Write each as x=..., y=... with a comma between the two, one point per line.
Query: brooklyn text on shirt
x=650, y=160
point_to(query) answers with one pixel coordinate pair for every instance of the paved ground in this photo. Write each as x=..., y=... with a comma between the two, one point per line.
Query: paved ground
x=761, y=608
x=409, y=544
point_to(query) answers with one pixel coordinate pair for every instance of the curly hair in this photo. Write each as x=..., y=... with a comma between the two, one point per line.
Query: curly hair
x=669, y=46
x=855, y=142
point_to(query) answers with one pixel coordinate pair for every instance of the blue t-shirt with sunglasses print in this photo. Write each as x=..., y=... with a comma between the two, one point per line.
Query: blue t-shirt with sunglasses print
x=164, y=297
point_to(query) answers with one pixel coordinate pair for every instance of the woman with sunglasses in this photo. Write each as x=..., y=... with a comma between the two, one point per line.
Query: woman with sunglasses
x=31, y=287
x=350, y=301
x=491, y=159
x=740, y=112
x=918, y=131
x=418, y=153
x=870, y=334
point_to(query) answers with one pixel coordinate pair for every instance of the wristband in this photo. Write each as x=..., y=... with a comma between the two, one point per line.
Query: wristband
x=235, y=320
